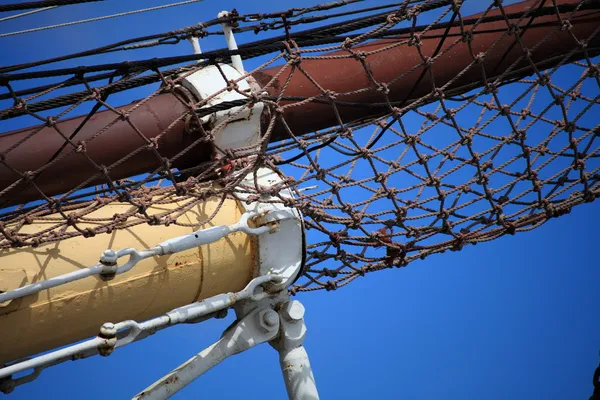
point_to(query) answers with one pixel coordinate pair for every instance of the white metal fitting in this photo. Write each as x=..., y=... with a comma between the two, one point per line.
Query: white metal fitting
x=109, y=257
x=241, y=125
x=236, y=60
x=109, y=260
x=292, y=311
x=108, y=332
x=288, y=235
x=268, y=319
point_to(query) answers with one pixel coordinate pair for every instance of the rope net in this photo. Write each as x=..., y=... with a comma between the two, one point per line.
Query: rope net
x=457, y=129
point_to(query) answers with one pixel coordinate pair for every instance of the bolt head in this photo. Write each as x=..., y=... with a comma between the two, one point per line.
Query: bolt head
x=268, y=319
x=293, y=311
x=109, y=253
x=109, y=257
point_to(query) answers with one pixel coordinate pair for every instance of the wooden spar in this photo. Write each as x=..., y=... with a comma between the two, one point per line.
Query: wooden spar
x=74, y=311
x=343, y=76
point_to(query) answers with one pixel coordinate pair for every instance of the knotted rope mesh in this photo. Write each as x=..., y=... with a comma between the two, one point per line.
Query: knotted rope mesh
x=484, y=127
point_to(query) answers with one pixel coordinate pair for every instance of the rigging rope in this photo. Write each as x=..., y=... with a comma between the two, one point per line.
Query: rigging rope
x=312, y=37
x=83, y=21
x=198, y=30
x=254, y=49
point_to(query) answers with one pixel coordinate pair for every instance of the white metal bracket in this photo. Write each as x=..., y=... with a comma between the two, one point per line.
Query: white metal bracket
x=239, y=126
x=113, y=336
x=257, y=327
x=276, y=320
x=236, y=126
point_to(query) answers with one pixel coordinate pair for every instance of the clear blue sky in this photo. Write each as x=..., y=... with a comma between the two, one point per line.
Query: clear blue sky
x=512, y=319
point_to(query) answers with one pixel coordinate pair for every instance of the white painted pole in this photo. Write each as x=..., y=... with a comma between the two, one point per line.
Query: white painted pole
x=297, y=374
x=236, y=60
x=195, y=42
x=260, y=326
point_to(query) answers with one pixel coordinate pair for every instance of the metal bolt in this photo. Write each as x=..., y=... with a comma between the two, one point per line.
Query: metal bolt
x=108, y=330
x=108, y=257
x=268, y=319
x=292, y=311
x=109, y=260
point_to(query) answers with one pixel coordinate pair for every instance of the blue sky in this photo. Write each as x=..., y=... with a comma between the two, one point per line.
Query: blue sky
x=512, y=319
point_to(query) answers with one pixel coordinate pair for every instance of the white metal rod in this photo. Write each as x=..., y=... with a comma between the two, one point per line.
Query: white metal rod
x=182, y=376
x=196, y=45
x=135, y=331
x=50, y=283
x=297, y=374
x=51, y=358
x=236, y=60
x=244, y=335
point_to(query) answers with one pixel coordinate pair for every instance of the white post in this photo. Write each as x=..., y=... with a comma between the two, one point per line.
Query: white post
x=196, y=46
x=260, y=326
x=297, y=374
x=295, y=365
x=236, y=60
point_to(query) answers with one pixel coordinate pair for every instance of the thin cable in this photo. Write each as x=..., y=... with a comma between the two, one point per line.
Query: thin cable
x=317, y=18
x=41, y=4
x=26, y=13
x=83, y=21
x=170, y=37
x=256, y=48
x=251, y=51
x=392, y=33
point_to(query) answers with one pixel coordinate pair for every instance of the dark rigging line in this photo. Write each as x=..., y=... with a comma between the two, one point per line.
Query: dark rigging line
x=191, y=30
x=40, y=4
x=309, y=37
x=392, y=33
x=249, y=49
x=100, y=18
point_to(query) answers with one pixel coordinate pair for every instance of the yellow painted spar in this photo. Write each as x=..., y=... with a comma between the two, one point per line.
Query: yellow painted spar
x=76, y=310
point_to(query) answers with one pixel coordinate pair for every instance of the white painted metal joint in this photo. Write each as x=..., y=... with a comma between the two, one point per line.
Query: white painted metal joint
x=235, y=127
x=113, y=336
x=259, y=321
x=288, y=234
x=236, y=60
x=259, y=326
